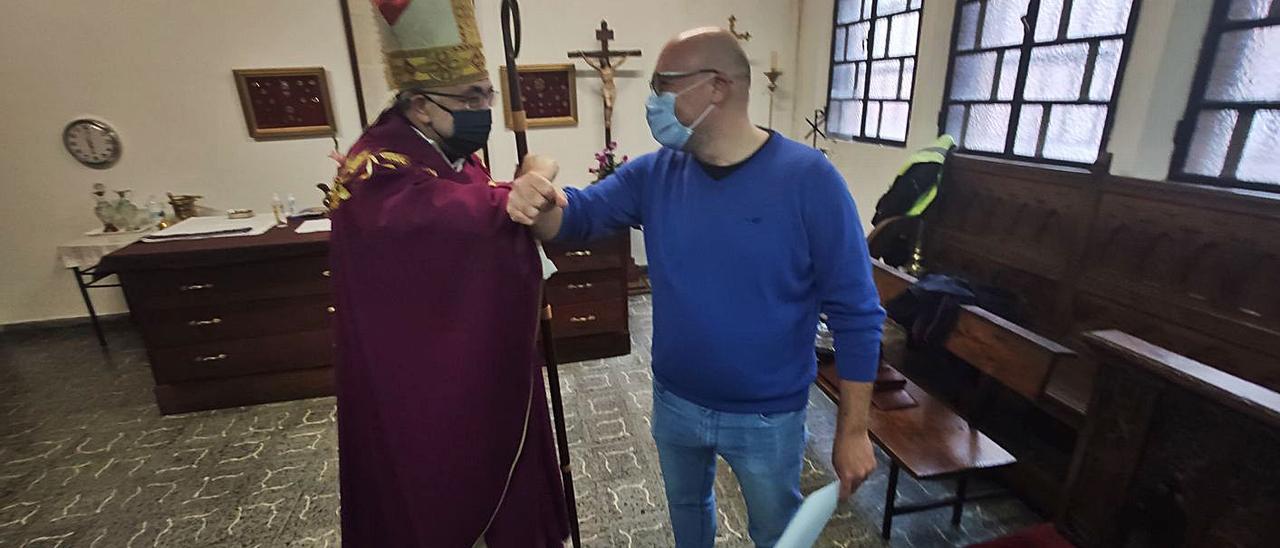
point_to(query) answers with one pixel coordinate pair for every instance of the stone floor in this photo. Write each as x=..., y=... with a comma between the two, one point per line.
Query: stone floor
x=87, y=461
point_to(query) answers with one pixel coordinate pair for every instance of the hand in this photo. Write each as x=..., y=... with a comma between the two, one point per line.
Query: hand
x=531, y=195
x=854, y=460
x=545, y=166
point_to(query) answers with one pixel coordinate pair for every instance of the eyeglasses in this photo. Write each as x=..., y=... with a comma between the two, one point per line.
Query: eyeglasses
x=476, y=100
x=661, y=81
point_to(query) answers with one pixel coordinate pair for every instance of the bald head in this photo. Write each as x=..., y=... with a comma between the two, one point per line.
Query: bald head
x=706, y=48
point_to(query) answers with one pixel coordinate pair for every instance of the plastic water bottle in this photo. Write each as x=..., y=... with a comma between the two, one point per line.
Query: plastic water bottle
x=155, y=212
x=293, y=206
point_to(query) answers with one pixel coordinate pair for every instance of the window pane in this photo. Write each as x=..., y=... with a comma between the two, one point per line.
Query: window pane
x=988, y=126
x=955, y=122
x=873, y=118
x=857, y=42
x=834, y=111
x=849, y=11
x=1009, y=74
x=884, y=79
x=1098, y=17
x=903, y=35
x=1056, y=72
x=1246, y=68
x=968, y=26
x=1105, y=69
x=842, y=82
x=882, y=37
x=908, y=77
x=915, y=4
x=884, y=7
x=1003, y=23
x=1242, y=10
x=838, y=49
x=1028, y=136
x=851, y=119
x=893, y=121
x=1075, y=132
x=1047, y=24
x=1208, y=151
x=973, y=76
x=1260, y=163
x=860, y=81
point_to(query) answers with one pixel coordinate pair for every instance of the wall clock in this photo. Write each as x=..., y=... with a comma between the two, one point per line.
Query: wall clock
x=92, y=143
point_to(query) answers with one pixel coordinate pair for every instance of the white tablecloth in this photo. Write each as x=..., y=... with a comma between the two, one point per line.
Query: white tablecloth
x=85, y=252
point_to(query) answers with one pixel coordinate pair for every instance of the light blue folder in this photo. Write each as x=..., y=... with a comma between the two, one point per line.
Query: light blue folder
x=812, y=517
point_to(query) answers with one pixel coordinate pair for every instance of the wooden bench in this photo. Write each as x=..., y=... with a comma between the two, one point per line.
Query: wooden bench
x=931, y=442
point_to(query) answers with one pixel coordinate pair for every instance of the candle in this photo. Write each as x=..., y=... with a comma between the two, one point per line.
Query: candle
x=773, y=60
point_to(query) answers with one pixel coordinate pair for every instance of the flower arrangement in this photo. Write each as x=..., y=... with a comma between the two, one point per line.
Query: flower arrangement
x=607, y=161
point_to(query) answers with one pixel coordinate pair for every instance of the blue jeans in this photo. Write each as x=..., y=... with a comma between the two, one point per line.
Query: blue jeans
x=766, y=453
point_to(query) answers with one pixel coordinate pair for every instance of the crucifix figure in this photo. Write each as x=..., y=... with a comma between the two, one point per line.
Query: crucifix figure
x=606, y=61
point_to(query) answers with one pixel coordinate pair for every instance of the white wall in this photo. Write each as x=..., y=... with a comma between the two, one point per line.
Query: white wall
x=1152, y=99
x=159, y=71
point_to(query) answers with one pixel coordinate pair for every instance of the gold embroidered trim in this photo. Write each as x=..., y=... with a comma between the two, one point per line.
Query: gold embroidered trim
x=359, y=167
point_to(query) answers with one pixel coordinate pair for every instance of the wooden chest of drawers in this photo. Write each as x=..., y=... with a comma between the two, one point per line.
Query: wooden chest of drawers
x=588, y=297
x=240, y=321
x=232, y=321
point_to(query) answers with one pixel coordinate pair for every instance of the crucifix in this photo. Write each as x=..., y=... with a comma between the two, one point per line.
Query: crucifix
x=605, y=61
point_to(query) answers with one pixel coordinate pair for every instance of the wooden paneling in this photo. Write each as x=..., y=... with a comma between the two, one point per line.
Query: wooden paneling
x=1175, y=453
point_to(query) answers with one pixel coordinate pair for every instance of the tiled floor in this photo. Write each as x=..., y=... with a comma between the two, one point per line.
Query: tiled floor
x=87, y=461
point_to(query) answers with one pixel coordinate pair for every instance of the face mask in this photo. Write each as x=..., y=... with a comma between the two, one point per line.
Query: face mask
x=470, y=131
x=666, y=128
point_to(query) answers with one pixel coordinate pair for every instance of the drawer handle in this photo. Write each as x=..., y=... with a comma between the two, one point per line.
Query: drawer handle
x=579, y=253
x=204, y=323
x=587, y=285
x=326, y=274
x=583, y=319
x=215, y=358
x=332, y=309
x=195, y=287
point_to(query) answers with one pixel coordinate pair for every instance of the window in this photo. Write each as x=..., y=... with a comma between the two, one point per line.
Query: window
x=873, y=67
x=1231, y=132
x=1036, y=79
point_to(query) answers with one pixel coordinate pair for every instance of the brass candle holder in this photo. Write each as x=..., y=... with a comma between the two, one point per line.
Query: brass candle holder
x=772, y=74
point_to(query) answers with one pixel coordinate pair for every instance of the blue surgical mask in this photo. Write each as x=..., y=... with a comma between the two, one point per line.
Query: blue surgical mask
x=666, y=128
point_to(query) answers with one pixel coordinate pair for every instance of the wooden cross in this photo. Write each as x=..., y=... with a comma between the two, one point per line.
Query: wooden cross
x=605, y=61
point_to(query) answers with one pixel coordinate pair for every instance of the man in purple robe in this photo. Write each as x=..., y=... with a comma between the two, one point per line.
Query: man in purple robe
x=444, y=436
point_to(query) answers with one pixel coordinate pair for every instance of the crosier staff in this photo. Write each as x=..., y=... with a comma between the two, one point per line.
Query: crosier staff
x=511, y=48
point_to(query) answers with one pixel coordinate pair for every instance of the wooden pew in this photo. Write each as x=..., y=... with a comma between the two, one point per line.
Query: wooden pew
x=1014, y=356
x=931, y=441
x=1175, y=453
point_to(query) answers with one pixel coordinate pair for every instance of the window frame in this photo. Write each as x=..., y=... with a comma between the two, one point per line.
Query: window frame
x=866, y=100
x=1219, y=25
x=1030, y=21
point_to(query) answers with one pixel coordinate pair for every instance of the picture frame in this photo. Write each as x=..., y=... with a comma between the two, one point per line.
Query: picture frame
x=283, y=103
x=549, y=93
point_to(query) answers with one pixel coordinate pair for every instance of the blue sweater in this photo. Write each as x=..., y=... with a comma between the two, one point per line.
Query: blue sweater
x=740, y=269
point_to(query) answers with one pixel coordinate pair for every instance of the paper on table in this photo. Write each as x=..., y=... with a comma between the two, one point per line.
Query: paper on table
x=811, y=518
x=212, y=227
x=315, y=225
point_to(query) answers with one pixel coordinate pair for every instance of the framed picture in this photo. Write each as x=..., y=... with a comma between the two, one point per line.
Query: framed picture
x=285, y=102
x=550, y=94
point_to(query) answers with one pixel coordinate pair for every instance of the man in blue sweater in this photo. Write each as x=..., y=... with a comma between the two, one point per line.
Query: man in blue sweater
x=749, y=236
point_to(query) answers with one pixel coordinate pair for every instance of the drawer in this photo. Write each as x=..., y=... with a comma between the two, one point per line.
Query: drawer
x=590, y=318
x=240, y=357
x=203, y=324
x=602, y=254
x=580, y=287
x=288, y=277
